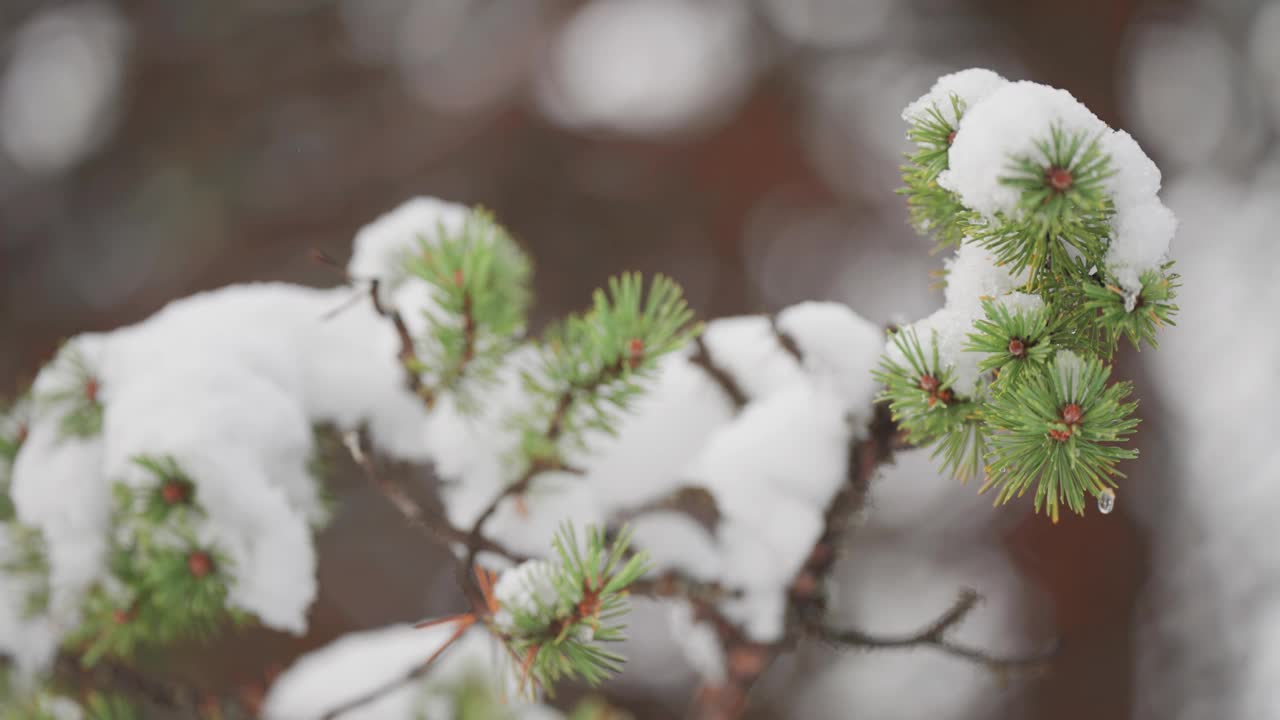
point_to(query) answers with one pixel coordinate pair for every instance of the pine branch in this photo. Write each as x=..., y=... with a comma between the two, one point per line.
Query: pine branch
x=434, y=525
x=701, y=358
x=935, y=636
x=787, y=342
x=408, y=355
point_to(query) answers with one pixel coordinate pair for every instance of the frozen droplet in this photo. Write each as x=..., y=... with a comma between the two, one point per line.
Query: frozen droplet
x=1106, y=501
x=1130, y=301
x=1093, y=270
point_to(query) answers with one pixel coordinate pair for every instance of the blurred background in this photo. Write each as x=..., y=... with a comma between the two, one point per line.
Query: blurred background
x=749, y=148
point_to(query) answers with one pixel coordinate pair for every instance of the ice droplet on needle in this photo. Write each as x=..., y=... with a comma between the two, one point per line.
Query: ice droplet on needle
x=1106, y=501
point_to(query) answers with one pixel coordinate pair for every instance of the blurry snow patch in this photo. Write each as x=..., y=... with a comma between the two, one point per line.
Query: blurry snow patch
x=893, y=592
x=830, y=23
x=452, y=55
x=648, y=66
x=1211, y=643
x=358, y=663
x=1264, y=50
x=1181, y=91
x=60, y=89
x=968, y=86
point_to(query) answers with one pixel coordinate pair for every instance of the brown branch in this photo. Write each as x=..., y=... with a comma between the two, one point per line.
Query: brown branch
x=555, y=428
x=702, y=358
x=408, y=355
x=787, y=342
x=934, y=636
x=695, y=503
x=433, y=525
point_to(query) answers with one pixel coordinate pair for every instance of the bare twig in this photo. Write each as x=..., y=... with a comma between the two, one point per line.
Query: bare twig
x=787, y=342
x=934, y=636
x=408, y=355
x=435, y=526
x=702, y=358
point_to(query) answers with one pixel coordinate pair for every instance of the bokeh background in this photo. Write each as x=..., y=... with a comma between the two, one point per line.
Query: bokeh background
x=150, y=149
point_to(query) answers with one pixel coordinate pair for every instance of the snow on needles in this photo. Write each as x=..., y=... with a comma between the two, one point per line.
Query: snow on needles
x=230, y=383
x=1004, y=121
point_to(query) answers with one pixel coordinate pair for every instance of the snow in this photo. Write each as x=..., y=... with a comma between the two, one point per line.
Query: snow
x=1209, y=643
x=840, y=349
x=529, y=589
x=698, y=642
x=31, y=641
x=971, y=86
x=360, y=662
x=972, y=275
x=1143, y=232
x=947, y=330
x=1006, y=125
x=229, y=384
x=676, y=542
x=381, y=247
x=1004, y=122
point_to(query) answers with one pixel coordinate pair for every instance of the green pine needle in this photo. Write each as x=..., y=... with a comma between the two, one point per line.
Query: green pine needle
x=923, y=403
x=1138, y=317
x=561, y=640
x=593, y=366
x=78, y=399
x=933, y=209
x=1014, y=340
x=1060, y=432
x=479, y=280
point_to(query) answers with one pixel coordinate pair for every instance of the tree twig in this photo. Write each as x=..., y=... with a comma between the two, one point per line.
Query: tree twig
x=701, y=357
x=934, y=636
x=435, y=526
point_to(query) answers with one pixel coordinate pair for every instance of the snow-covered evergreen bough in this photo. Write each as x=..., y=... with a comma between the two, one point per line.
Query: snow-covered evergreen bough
x=158, y=480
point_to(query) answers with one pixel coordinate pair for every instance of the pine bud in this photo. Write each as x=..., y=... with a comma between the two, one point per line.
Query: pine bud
x=457, y=278
x=23, y=430
x=1059, y=179
x=635, y=353
x=120, y=616
x=1017, y=348
x=173, y=492
x=1072, y=414
x=951, y=137
x=199, y=563
x=91, y=389
x=929, y=383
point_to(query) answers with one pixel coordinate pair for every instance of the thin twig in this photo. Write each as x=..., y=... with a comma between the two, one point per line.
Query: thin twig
x=785, y=339
x=934, y=636
x=702, y=358
x=436, y=527
x=408, y=355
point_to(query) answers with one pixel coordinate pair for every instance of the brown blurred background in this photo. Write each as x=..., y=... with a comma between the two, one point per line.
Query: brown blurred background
x=152, y=148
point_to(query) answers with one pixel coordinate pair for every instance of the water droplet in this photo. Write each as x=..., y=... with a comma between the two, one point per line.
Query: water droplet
x=1106, y=501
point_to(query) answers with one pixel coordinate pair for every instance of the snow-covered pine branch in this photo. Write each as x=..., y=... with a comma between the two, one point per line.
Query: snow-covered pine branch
x=161, y=480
